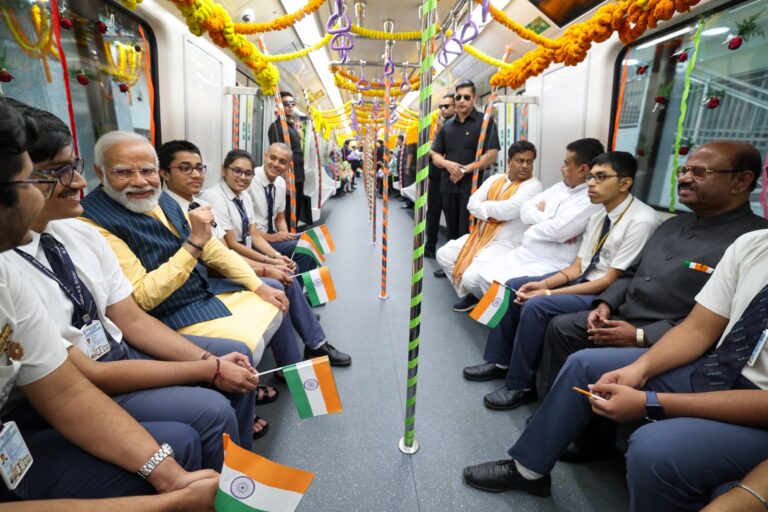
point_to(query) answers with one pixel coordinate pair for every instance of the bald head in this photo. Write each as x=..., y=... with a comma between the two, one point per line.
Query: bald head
x=277, y=160
x=736, y=155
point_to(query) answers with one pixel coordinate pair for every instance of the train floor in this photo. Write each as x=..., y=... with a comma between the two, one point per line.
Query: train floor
x=354, y=454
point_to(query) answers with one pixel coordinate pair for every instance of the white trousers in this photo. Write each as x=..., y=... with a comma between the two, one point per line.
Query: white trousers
x=472, y=281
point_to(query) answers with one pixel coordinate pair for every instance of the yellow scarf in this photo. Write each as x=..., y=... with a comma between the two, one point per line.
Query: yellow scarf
x=485, y=231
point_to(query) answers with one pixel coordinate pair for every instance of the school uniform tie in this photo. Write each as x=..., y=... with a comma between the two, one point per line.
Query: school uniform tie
x=723, y=366
x=596, y=257
x=63, y=268
x=270, y=191
x=243, y=217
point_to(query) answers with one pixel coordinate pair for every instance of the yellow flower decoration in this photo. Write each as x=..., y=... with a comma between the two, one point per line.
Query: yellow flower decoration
x=301, y=53
x=415, y=81
x=279, y=23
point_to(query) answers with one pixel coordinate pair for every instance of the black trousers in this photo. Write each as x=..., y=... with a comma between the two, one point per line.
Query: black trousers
x=434, y=211
x=456, y=214
x=303, y=209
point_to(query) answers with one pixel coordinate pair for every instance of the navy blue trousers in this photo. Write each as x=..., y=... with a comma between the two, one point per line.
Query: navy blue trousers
x=286, y=248
x=673, y=464
x=62, y=470
x=302, y=318
x=518, y=339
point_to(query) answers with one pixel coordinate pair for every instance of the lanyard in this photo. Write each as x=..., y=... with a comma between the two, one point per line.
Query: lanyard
x=599, y=245
x=78, y=294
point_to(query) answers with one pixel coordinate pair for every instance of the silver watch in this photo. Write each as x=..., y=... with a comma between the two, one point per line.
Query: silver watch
x=159, y=456
x=640, y=338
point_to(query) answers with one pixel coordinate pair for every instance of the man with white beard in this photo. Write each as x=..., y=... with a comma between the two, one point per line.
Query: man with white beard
x=166, y=255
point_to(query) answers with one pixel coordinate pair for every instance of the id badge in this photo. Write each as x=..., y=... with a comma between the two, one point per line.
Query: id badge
x=248, y=242
x=15, y=459
x=758, y=348
x=96, y=341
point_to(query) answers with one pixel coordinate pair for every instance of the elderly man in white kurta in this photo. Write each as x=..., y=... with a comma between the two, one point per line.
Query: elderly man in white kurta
x=497, y=202
x=557, y=217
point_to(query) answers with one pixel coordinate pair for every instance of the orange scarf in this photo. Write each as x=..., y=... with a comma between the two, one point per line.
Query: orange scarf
x=485, y=231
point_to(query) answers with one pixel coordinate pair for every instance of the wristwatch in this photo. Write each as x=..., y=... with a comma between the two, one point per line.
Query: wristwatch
x=640, y=338
x=653, y=409
x=160, y=455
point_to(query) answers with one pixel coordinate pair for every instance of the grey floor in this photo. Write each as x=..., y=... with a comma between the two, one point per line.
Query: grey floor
x=354, y=454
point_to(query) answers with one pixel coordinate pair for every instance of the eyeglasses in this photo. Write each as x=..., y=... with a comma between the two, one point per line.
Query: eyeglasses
x=521, y=161
x=64, y=174
x=441, y=107
x=289, y=103
x=51, y=185
x=248, y=173
x=465, y=97
x=601, y=177
x=187, y=169
x=699, y=172
x=126, y=174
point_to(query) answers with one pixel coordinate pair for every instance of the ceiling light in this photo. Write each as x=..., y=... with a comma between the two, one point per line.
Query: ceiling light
x=631, y=62
x=672, y=35
x=715, y=31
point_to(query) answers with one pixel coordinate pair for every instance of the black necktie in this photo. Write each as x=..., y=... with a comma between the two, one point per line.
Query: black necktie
x=270, y=191
x=723, y=366
x=596, y=256
x=243, y=218
x=63, y=267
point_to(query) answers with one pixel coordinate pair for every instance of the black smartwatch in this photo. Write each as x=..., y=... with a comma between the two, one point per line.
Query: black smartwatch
x=653, y=409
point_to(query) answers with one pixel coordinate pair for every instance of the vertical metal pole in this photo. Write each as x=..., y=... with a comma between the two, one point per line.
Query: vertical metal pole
x=408, y=443
x=385, y=185
x=372, y=163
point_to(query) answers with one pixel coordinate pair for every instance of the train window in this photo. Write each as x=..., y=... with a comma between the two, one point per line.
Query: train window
x=110, y=56
x=728, y=96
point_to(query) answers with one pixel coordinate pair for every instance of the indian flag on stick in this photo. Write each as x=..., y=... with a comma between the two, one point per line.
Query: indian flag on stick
x=491, y=308
x=319, y=286
x=312, y=387
x=308, y=247
x=249, y=483
x=322, y=239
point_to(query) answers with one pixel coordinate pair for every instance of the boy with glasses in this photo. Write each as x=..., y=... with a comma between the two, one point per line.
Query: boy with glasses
x=454, y=151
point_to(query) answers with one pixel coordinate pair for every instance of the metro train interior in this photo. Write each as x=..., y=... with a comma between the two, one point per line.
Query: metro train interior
x=680, y=75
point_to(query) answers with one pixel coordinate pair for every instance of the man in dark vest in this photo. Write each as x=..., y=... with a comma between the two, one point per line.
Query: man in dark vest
x=275, y=134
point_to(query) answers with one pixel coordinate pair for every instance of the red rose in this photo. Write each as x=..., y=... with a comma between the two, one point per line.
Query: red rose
x=101, y=27
x=735, y=43
x=66, y=23
x=713, y=102
x=660, y=99
x=123, y=88
x=82, y=78
x=5, y=76
x=684, y=150
x=682, y=57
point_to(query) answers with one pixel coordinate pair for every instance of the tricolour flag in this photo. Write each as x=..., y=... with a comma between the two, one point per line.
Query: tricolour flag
x=319, y=286
x=493, y=305
x=322, y=239
x=312, y=387
x=249, y=483
x=308, y=247
x=699, y=266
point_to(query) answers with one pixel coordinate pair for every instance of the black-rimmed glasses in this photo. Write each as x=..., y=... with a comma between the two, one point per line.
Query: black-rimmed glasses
x=64, y=174
x=248, y=173
x=441, y=107
x=465, y=97
x=600, y=177
x=699, y=172
x=51, y=184
x=187, y=169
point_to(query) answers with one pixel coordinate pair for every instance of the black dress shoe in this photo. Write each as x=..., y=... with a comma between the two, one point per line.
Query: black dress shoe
x=485, y=371
x=429, y=253
x=440, y=274
x=576, y=454
x=336, y=357
x=502, y=475
x=506, y=399
x=468, y=303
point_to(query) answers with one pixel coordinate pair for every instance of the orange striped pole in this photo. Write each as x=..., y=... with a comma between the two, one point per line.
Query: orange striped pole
x=372, y=164
x=487, y=116
x=385, y=191
x=235, y=121
x=293, y=221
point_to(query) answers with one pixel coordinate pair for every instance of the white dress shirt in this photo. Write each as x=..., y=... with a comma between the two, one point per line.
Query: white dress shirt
x=96, y=265
x=258, y=193
x=741, y=273
x=627, y=236
x=509, y=210
x=218, y=232
x=221, y=199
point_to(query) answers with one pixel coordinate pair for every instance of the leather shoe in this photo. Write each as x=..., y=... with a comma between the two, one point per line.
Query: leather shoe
x=468, y=303
x=336, y=357
x=576, y=454
x=484, y=371
x=429, y=253
x=507, y=399
x=502, y=475
x=440, y=274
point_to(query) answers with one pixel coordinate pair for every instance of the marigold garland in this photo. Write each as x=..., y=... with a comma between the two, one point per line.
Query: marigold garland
x=130, y=4
x=629, y=18
x=43, y=46
x=300, y=53
x=127, y=70
x=350, y=86
x=415, y=81
x=521, y=31
x=280, y=23
x=496, y=63
x=209, y=16
x=385, y=36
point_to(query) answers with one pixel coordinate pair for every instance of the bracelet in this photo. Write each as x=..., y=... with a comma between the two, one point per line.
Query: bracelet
x=160, y=455
x=547, y=292
x=217, y=374
x=206, y=355
x=752, y=492
x=199, y=248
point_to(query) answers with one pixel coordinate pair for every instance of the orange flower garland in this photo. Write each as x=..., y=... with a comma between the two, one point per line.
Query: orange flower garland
x=279, y=23
x=415, y=81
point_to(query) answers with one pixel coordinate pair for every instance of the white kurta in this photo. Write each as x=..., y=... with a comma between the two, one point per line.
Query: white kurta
x=509, y=235
x=552, y=240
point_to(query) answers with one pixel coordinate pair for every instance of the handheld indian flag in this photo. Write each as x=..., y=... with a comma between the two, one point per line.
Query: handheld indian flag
x=306, y=246
x=491, y=308
x=312, y=387
x=251, y=483
x=319, y=286
x=322, y=239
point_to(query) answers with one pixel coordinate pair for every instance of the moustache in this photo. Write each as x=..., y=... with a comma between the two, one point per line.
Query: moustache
x=138, y=190
x=686, y=186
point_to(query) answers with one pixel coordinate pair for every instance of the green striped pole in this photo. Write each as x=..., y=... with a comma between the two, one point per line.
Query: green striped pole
x=408, y=443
